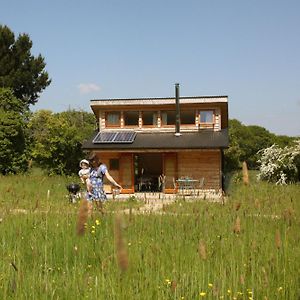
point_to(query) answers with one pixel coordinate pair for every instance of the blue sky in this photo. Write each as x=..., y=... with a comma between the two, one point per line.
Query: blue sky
x=248, y=50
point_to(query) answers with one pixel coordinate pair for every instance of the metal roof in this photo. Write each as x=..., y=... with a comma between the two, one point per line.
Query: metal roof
x=203, y=139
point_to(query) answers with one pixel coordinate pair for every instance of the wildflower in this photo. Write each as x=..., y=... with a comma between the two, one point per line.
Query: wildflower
x=93, y=227
x=129, y=244
x=228, y=291
x=168, y=282
x=280, y=289
x=97, y=222
x=210, y=285
x=202, y=294
x=93, y=231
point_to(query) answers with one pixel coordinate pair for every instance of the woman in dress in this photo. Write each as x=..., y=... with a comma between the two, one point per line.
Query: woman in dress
x=97, y=173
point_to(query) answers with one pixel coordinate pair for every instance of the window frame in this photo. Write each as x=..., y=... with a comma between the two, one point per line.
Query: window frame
x=206, y=124
x=138, y=120
x=188, y=124
x=161, y=118
x=111, y=163
x=150, y=125
x=112, y=125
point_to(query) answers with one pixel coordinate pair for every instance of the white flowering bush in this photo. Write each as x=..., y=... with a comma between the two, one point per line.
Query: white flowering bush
x=280, y=165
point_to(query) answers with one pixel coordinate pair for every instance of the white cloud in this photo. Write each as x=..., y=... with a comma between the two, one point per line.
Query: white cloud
x=85, y=88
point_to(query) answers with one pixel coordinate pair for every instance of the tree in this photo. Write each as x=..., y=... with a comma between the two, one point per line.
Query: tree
x=57, y=139
x=19, y=69
x=246, y=141
x=13, y=154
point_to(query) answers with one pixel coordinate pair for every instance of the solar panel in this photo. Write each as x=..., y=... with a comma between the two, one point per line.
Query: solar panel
x=114, y=137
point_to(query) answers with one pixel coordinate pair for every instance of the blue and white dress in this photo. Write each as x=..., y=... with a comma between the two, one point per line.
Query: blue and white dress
x=96, y=178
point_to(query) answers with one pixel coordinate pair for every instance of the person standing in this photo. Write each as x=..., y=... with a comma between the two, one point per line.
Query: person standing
x=97, y=173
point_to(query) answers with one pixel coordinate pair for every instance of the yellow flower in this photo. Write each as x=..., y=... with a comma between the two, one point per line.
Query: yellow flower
x=280, y=289
x=210, y=285
x=93, y=231
x=202, y=294
x=129, y=244
x=228, y=291
x=93, y=227
x=97, y=222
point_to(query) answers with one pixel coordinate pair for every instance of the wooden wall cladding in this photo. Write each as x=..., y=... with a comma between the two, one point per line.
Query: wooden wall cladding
x=200, y=164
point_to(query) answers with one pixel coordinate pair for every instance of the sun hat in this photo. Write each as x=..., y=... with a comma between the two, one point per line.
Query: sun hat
x=84, y=161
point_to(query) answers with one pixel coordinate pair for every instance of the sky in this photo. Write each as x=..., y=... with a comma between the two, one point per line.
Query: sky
x=248, y=50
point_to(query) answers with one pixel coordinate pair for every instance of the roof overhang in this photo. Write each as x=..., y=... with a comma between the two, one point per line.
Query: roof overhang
x=203, y=139
x=96, y=103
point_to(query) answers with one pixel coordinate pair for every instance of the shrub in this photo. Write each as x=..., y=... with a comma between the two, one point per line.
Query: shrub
x=280, y=165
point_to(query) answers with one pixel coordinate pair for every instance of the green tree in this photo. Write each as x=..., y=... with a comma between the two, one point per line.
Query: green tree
x=259, y=138
x=19, y=69
x=56, y=139
x=246, y=141
x=13, y=154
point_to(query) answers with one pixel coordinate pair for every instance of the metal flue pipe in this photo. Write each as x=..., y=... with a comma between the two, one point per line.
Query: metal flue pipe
x=177, y=127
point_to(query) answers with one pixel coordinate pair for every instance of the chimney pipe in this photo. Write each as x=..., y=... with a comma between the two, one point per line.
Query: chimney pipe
x=177, y=128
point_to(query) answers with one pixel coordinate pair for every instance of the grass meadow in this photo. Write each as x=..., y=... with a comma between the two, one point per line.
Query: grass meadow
x=245, y=248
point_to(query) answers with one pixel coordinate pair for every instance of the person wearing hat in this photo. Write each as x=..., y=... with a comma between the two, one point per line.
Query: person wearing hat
x=84, y=174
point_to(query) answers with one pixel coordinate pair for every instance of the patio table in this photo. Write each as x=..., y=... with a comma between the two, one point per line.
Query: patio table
x=187, y=186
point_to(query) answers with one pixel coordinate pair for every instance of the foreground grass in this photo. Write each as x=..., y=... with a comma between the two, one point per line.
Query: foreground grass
x=247, y=248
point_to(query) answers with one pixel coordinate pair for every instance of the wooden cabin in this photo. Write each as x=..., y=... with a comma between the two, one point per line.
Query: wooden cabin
x=149, y=143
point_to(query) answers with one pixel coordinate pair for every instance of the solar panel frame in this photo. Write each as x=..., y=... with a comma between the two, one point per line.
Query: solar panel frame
x=114, y=137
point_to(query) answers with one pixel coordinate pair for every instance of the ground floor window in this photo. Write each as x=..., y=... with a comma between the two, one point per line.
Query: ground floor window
x=114, y=164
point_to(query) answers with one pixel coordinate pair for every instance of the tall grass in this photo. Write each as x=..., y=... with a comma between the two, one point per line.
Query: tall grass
x=246, y=248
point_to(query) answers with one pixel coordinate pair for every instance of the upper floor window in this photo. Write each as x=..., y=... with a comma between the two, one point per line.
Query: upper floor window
x=113, y=119
x=187, y=117
x=150, y=118
x=131, y=118
x=207, y=116
x=168, y=117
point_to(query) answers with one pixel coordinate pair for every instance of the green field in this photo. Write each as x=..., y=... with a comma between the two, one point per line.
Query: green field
x=245, y=248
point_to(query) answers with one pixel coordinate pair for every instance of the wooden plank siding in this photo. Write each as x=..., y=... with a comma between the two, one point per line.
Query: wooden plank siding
x=195, y=164
x=198, y=164
x=170, y=171
x=127, y=173
x=218, y=121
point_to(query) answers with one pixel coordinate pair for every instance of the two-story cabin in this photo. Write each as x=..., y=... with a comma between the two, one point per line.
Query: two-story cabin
x=144, y=145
